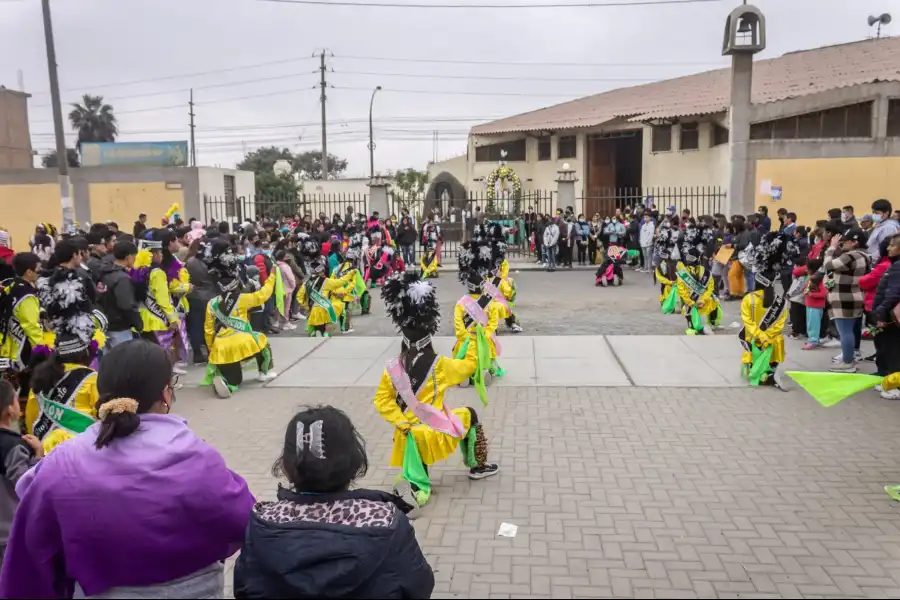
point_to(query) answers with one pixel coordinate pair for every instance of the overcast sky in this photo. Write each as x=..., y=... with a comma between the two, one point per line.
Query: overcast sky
x=143, y=55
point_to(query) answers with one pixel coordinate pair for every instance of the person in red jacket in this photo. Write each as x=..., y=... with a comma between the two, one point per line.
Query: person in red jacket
x=814, y=299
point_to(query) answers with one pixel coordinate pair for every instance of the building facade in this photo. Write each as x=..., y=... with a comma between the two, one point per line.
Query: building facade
x=15, y=138
x=837, y=102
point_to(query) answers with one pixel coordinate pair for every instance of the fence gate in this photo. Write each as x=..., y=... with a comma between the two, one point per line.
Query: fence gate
x=700, y=200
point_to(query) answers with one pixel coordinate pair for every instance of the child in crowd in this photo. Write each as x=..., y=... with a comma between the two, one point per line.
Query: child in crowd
x=18, y=453
x=814, y=297
x=796, y=293
x=321, y=538
x=290, y=286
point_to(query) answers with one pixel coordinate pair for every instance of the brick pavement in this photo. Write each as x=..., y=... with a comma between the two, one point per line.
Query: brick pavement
x=630, y=492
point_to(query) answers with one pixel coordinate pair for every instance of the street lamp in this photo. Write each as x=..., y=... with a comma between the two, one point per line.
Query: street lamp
x=371, y=141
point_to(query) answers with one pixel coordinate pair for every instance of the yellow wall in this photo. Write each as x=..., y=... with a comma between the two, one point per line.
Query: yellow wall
x=812, y=186
x=123, y=202
x=24, y=206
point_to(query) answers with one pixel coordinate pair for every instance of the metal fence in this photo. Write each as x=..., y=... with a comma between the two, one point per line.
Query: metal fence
x=457, y=216
x=259, y=208
x=700, y=200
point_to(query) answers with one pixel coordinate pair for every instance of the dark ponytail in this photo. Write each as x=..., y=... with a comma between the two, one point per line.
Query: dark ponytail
x=119, y=381
x=116, y=424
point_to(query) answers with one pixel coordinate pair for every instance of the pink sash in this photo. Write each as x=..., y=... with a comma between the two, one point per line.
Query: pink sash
x=443, y=421
x=479, y=315
x=494, y=292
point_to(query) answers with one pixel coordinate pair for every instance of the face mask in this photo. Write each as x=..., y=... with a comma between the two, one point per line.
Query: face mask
x=846, y=217
x=876, y=218
x=606, y=221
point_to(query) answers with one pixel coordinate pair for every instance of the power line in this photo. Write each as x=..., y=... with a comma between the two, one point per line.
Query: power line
x=502, y=78
x=462, y=93
x=620, y=4
x=525, y=63
x=208, y=102
x=179, y=76
x=386, y=119
x=198, y=87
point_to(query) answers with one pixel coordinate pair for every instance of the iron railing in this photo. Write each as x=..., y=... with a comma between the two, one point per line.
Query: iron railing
x=700, y=200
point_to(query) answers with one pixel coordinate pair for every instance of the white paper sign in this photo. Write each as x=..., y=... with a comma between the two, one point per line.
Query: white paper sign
x=765, y=187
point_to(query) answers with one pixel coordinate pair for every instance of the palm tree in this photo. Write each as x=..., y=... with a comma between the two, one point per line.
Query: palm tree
x=93, y=120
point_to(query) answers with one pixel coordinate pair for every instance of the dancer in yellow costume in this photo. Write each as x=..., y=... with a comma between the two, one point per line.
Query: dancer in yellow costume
x=322, y=296
x=229, y=336
x=20, y=323
x=495, y=233
x=666, y=251
x=347, y=271
x=411, y=395
x=430, y=259
x=161, y=322
x=695, y=284
x=763, y=311
x=477, y=314
x=63, y=387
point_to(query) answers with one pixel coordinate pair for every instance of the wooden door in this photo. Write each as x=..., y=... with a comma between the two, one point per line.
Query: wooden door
x=601, y=167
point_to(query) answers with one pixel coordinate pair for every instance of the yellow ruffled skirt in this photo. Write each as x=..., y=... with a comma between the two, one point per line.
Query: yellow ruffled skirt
x=433, y=446
x=235, y=346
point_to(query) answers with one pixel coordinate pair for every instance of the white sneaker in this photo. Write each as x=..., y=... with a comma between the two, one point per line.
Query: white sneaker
x=221, y=387
x=842, y=367
x=351, y=330
x=891, y=395
x=832, y=343
x=178, y=370
x=267, y=376
x=289, y=327
x=840, y=357
x=516, y=328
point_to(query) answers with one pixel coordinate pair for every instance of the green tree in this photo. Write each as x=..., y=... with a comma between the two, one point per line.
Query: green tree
x=309, y=165
x=412, y=185
x=93, y=120
x=276, y=194
x=49, y=160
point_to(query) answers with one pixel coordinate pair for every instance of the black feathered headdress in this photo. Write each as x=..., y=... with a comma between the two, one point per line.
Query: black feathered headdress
x=64, y=297
x=476, y=263
x=412, y=305
x=775, y=251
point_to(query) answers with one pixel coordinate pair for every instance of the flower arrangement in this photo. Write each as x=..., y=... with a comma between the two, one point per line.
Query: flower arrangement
x=506, y=177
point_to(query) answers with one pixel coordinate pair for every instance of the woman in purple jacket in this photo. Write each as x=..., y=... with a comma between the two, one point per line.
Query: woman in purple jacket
x=136, y=506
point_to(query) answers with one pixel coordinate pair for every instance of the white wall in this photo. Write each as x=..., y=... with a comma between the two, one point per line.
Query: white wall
x=685, y=168
x=211, y=183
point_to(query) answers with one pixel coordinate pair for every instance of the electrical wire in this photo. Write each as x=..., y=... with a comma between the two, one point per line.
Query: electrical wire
x=620, y=4
x=572, y=95
x=502, y=78
x=195, y=88
x=522, y=63
x=179, y=76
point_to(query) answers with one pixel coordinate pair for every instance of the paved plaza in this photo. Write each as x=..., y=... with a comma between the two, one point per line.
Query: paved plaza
x=633, y=465
x=562, y=303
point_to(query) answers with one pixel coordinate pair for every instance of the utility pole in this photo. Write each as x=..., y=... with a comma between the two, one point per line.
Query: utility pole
x=193, y=143
x=371, y=136
x=324, y=128
x=62, y=159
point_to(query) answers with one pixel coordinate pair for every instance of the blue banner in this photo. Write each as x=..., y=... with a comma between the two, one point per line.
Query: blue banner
x=146, y=154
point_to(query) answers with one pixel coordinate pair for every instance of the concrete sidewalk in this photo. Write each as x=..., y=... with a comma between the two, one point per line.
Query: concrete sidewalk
x=558, y=361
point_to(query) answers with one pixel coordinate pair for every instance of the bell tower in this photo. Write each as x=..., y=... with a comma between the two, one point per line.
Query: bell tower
x=745, y=35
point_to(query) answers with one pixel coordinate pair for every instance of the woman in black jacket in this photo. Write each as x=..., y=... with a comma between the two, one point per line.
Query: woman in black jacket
x=887, y=338
x=406, y=240
x=322, y=540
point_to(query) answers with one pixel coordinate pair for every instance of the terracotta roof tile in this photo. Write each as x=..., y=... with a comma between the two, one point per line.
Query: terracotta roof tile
x=789, y=76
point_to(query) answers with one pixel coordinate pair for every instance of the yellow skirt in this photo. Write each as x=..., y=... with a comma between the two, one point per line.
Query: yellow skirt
x=777, y=352
x=319, y=316
x=433, y=446
x=229, y=348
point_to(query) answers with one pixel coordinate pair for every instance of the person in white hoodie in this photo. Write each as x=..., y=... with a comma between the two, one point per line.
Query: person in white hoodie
x=648, y=229
x=551, y=237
